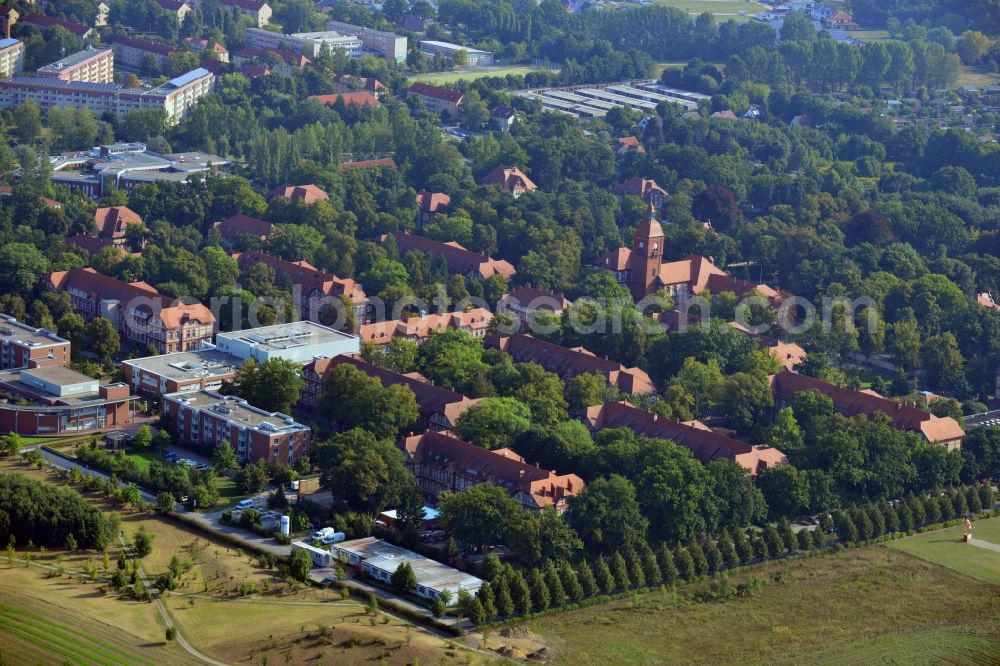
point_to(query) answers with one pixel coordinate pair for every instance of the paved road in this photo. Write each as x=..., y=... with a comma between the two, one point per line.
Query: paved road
x=212, y=521
x=986, y=544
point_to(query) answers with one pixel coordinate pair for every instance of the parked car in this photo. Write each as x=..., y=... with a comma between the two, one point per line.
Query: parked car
x=169, y=455
x=333, y=537
x=245, y=504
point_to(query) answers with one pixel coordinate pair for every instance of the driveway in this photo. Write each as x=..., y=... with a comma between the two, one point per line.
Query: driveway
x=212, y=522
x=65, y=463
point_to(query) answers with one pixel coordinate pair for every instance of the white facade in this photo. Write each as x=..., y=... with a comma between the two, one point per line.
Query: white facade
x=299, y=342
x=386, y=45
x=11, y=57
x=309, y=44
x=476, y=57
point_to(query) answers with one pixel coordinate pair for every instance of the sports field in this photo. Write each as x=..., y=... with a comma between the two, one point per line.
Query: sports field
x=727, y=8
x=866, y=605
x=945, y=547
x=439, y=78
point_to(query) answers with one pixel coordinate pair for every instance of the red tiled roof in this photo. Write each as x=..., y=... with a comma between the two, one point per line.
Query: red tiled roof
x=639, y=187
x=986, y=300
x=864, y=403
x=147, y=45
x=44, y=21
x=91, y=244
x=431, y=399
x=383, y=163
x=460, y=260
x=568, y=363
x=476, y=319
x=502, y=467
x=252, y=5
x=252, y=53
x=101, y=287
x=535, y=299
x=111, y=221
x=369, y=83
x=725, y=115
x=437, y=92
x=243, y=224
x=509, y=178
x=312, y=280
x=705, y=444
x=308, y=194
x=361, y=98
x=432, y=202
x=619, y=259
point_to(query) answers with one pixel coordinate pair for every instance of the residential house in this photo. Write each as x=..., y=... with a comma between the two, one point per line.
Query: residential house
x=460, y=261
x=288, y=60
x=703, y=443
x=475, y=321
x=142, y=316
x=571, y=362
x=628, y=144
x=840, y=21
x=724, y=115
x=788, y=354
x=439, y=407
x=357, y=98
x=438, y=100
x=430, y=204
x=49, y=22
x=243, y=225
x=203, y=420
x=644, y=188
x=178, y=8
x=89, y=65
x=522, y=303
x=11, y=56
x=312, y=289
x=351, y=83
x=986, y=300
x=258, y=10
x=441, y=463
x=136, y=53
x=942, y=430
x=111, y=225
x=216, y=50
x=510, y=179
x=307, y=194
x=8, y=17
x=503, y=117
x=642, y=268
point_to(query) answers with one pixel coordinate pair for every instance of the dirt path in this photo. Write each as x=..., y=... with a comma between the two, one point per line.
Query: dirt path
x=986, y=544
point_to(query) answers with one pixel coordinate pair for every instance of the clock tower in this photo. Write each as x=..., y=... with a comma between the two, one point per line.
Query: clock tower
x=647, y=254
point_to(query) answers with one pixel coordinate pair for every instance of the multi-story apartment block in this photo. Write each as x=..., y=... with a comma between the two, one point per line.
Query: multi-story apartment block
x=176, y=97
x=309, y=44
x=386, y=45
x=200, y=369
x=89, y=66
x=204, y=419
x=259, y=11
x=141, y=315
x=134, y=52
x=11, y=57
x=23, y=346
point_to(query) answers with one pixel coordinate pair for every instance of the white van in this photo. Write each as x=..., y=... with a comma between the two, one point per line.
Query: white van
x=333, y=537
x=245, y=504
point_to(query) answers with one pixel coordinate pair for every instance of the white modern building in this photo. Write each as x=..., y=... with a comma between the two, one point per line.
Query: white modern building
x=476, y=57
x=89, y=65
x=299, y=342
x=309, y=44
x=11, y=57
x=386, y=45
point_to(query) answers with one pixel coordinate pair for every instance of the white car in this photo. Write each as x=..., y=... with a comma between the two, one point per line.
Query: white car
x=322, y=534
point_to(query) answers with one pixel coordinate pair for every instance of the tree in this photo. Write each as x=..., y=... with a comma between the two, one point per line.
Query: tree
x=251, y=478
x=619, y=569
x=554, y=583
x=142, y=543
x=973, y=46
x=727, y=549
x=27, y=121
x=165, y=502
x=540, y=594
x=665, y=561
x=273, y=385
x=846, y=529
x=698, y=558
x=494, y=422
x=521, y=593
x=746, y=400
x=71, y=544
x=942, y=360
x=606, y=514
x=403, y=578
x=300, y=564
x=585, y=575
x=785, y=488
x=143, y=124
x=742, y=545
x=740, y=502
x=11, y=444
x=21, y=268
x=100, y=337
x=602, y=573
x=363, y=472
x=352, y=399
x=685, y=564
x=225, y=458
x=585, y=390
x=477, y=515
x=785, y=434
x=142, y=437
x=785, y=531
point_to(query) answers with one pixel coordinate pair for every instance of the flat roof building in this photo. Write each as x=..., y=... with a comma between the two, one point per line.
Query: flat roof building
x=475, y=57
x=179, y=372
x=299, y=342
x=386, y=45
x=23, y=346
x=380, y=559
x=204, y=419
x=11, y=57
x=309, y=44
x=89, y=65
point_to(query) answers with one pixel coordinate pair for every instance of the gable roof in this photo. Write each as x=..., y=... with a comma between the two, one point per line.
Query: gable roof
x=243, y=224
x=305, y=274
x=308, y=194
x=92, y=245
x=251, y=5
x=111, y=221
x=147, y=45
x=537, y=299
x=866, y=403
x=476, y=319
x=568, y=363
x=44, y=21
x=459, y=259
x=431, y=399
x=359, y=98
x=172, y=5
x=502, y=467
x=704, y=444
x=436, y=92
x=509, y=178
x=432, y=202
x=638, y=187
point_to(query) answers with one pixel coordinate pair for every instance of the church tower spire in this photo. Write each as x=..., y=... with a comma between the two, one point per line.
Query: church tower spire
x=647, y=255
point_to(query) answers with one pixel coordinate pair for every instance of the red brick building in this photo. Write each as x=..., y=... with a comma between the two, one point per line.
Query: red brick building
x=141, y=315
x=475, y=322
x=307, y=194
x=23, y=346
x=460, y=261
x=510, y=179
x=441, y=462
x=243, y=225
x=204, y=419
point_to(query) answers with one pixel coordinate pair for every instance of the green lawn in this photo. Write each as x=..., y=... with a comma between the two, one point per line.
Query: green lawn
x=143, y=458
x=868, y=35
x=440, y=78
x=729, y=8
x=945, y=547
x=977, y=76
x=866, y=605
